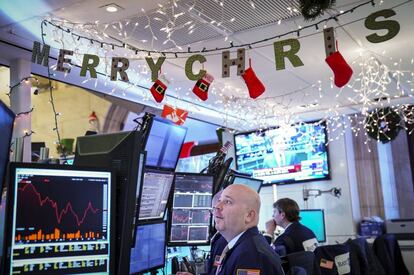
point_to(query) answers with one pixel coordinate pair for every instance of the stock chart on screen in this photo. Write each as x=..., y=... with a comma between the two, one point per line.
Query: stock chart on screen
x=190, y=222
x=61, y=222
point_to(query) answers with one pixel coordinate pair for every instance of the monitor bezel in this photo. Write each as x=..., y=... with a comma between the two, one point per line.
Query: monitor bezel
x=143, y=157
x=324, y=223
x=10, y=202
x=234, y=176
x=170, y=210
x=165, y=247
x=157, y=219
x=9, y=112
x=326, y=178
x=147, y=135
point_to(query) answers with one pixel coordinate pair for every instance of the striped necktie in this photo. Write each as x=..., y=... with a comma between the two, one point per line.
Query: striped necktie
x=223, y=255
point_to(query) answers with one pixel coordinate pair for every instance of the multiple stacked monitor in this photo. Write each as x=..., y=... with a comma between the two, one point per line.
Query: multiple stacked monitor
x=106, y=214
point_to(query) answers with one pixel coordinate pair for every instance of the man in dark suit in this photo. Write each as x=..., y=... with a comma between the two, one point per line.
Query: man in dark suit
x=296, y=236
x=247, y=252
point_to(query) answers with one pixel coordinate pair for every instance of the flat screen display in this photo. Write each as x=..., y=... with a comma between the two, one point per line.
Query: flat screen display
x=191, y=219
x=287, y=155
x=164, y=143
x=154, y=195
x=314, y=219
x=60, y=220
x=148, y=252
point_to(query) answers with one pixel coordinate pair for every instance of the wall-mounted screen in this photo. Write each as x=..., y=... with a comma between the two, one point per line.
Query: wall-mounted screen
x=190, y=220
x=284, y=155
x=148, y=252
x=314, y=219
x=60, y=220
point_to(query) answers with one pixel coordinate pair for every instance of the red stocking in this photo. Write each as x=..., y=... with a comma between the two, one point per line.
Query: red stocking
x=159, y=88
x=202, y=85
x=254, y=85
x=342, y=71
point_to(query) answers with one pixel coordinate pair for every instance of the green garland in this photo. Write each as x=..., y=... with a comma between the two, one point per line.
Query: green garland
x=312, y=9
x=383, y=124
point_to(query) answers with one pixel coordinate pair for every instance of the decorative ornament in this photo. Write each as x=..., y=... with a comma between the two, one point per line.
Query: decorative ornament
x=342, y=71
x=176, y=115
x=311, y=9
x=227, y=62
x=383, y=124
x=202, y=85
x=254, y=85
x=159, y=88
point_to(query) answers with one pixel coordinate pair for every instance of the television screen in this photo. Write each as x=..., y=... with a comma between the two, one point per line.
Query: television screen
x=154, y=195
x=6, y=130
x=164, y=142
x=253, y=183
x=314, y=219
x=278, y=155
x=60, y=220
x=148, y=252
x=190, y=220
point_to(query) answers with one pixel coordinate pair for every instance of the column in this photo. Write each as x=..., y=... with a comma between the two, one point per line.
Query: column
x=20, y=101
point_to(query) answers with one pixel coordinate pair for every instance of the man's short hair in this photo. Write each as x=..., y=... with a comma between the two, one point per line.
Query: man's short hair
x=289, y=207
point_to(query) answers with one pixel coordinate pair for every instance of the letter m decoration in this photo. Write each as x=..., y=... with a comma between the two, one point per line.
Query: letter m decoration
x=39, y=55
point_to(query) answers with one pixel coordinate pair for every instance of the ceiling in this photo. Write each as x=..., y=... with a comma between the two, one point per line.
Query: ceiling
x=293, y=94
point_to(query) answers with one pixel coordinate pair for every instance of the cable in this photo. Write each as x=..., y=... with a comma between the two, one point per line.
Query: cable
x=56, y=114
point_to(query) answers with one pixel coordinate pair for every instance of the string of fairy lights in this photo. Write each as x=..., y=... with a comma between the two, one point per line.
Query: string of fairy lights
x=94, y=36
x=374, y=73
x=370, y=88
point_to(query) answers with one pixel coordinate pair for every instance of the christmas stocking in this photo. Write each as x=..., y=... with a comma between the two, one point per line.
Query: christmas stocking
x=159, y=87
x=342, y=71
x=202, y=85
x=254, y=85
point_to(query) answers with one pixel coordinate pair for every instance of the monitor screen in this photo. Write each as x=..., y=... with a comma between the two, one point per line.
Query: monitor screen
x=148, y=252
x=282, y=155
x=164, y=143
x=190, y=220
x=60, y=220
x=154, y=194
x=122, y=152
x=253, y=183
x=6, y=130
x=314, y=219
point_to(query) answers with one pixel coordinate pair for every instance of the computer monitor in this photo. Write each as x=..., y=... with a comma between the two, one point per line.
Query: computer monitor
x=60, y=220
x=6, y=130
x=148, y=252
x=253, y=183
x=314, y=219
x=190, y=220
x=154, y=194
x=122, y=152
x=163, y=142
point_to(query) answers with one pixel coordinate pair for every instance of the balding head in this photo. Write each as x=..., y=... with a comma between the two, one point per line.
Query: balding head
x=237, y=210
